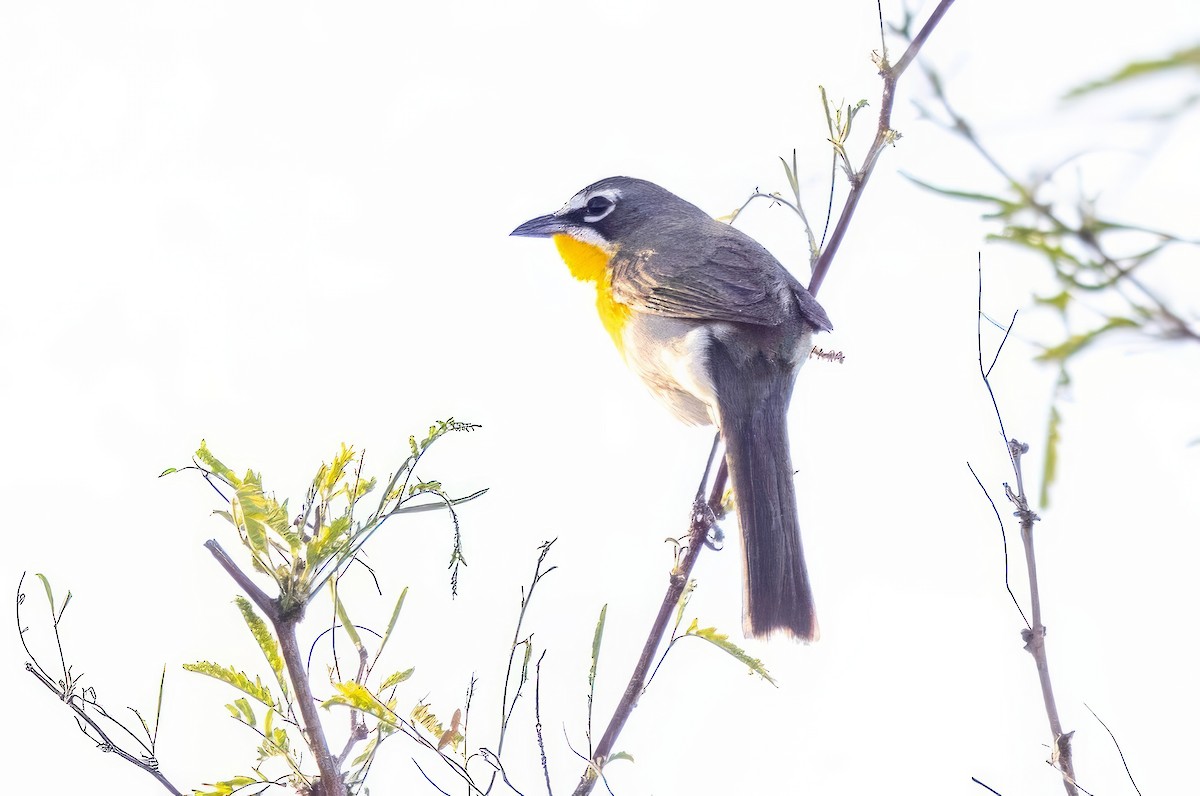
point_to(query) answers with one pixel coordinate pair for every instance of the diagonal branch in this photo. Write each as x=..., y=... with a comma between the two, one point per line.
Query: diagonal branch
x=702, y=522
x=884, y=135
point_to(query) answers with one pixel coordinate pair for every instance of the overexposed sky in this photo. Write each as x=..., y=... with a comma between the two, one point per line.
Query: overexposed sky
x=281, y=226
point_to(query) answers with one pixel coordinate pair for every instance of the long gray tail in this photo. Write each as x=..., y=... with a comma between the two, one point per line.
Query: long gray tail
x=752, y=400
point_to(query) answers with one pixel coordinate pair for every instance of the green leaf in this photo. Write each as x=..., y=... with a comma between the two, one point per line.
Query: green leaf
x=162, y=685
x=275, y=741
x=387, y=634
x=168, y=471
x=256, y=514
x=242, y=711
x=225, y=787
x=597, y=637
x=49, y=594
x=1058, y=302
x=971, y=196
x=266, y=641
x=793, y=182
x=215, y=465
x=721, y=641
x=367, y=753
x=1050, y=465
x=327, y=541
x=233, y=677
x=328, y=477
x=1182, y=59
x=359, y=697
x=395, y=678
x=619, y=756
x=347, y=624
x=1077, y=342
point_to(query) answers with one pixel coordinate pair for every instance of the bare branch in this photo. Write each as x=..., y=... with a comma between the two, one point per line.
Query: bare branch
x=1034, y=634
x=702, y=522
x=884, y=135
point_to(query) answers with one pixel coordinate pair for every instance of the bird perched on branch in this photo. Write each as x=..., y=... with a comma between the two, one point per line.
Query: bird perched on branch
x=717, y=329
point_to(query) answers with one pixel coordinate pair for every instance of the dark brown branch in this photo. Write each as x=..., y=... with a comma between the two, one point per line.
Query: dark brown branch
x=256, y=595
x=284, y=624
x=702, y=522
x=331, y=783
x=883, y=136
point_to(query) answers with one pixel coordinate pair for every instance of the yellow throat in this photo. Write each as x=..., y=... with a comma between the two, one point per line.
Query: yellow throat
x=589, y=263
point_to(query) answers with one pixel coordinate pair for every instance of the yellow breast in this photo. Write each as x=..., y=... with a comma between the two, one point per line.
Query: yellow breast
x=589, y=263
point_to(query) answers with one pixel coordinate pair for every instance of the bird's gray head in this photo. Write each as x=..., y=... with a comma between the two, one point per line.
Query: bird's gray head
x=611, y=213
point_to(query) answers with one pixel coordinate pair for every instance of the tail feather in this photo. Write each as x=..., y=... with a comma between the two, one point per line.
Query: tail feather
x=753, y=398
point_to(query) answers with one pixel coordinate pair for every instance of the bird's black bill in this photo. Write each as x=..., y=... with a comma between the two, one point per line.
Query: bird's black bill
x=540, y=227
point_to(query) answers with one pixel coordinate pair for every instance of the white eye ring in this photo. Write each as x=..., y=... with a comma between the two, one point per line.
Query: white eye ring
x=598, y=207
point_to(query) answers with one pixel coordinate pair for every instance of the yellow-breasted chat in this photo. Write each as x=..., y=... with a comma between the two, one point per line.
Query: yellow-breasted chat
x=717, y=329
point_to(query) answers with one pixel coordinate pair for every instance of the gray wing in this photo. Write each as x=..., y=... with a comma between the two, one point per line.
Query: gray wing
x=735, y=279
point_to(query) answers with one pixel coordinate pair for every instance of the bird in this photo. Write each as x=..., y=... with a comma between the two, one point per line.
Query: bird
x=717, y=329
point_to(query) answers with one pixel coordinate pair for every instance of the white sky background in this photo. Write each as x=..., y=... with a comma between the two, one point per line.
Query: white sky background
x=283, y=226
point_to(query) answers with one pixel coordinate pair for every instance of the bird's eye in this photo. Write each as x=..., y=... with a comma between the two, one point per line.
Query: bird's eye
x=598, y=204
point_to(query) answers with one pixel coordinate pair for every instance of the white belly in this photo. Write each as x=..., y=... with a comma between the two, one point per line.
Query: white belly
x=671, y=357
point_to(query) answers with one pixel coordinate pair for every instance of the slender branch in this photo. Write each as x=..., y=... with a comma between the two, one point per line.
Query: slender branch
x=884, y=135
x=984, y=785
x=78, y=703
x=259, y=597
x=331, y=783
x=105, y=743
x=507, y=708
x=1034, y=635
x=537, y=716
x=702, y=522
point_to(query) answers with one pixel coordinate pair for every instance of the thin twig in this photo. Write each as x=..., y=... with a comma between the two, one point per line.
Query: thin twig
x=1128, y=773
x=984, y=374
x=78, y=703
x=1004, y=541
x=537, y=717
x=506, y=708
x=427, y=779
x=105, y=743
x=883, y=136
x=982, y=785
